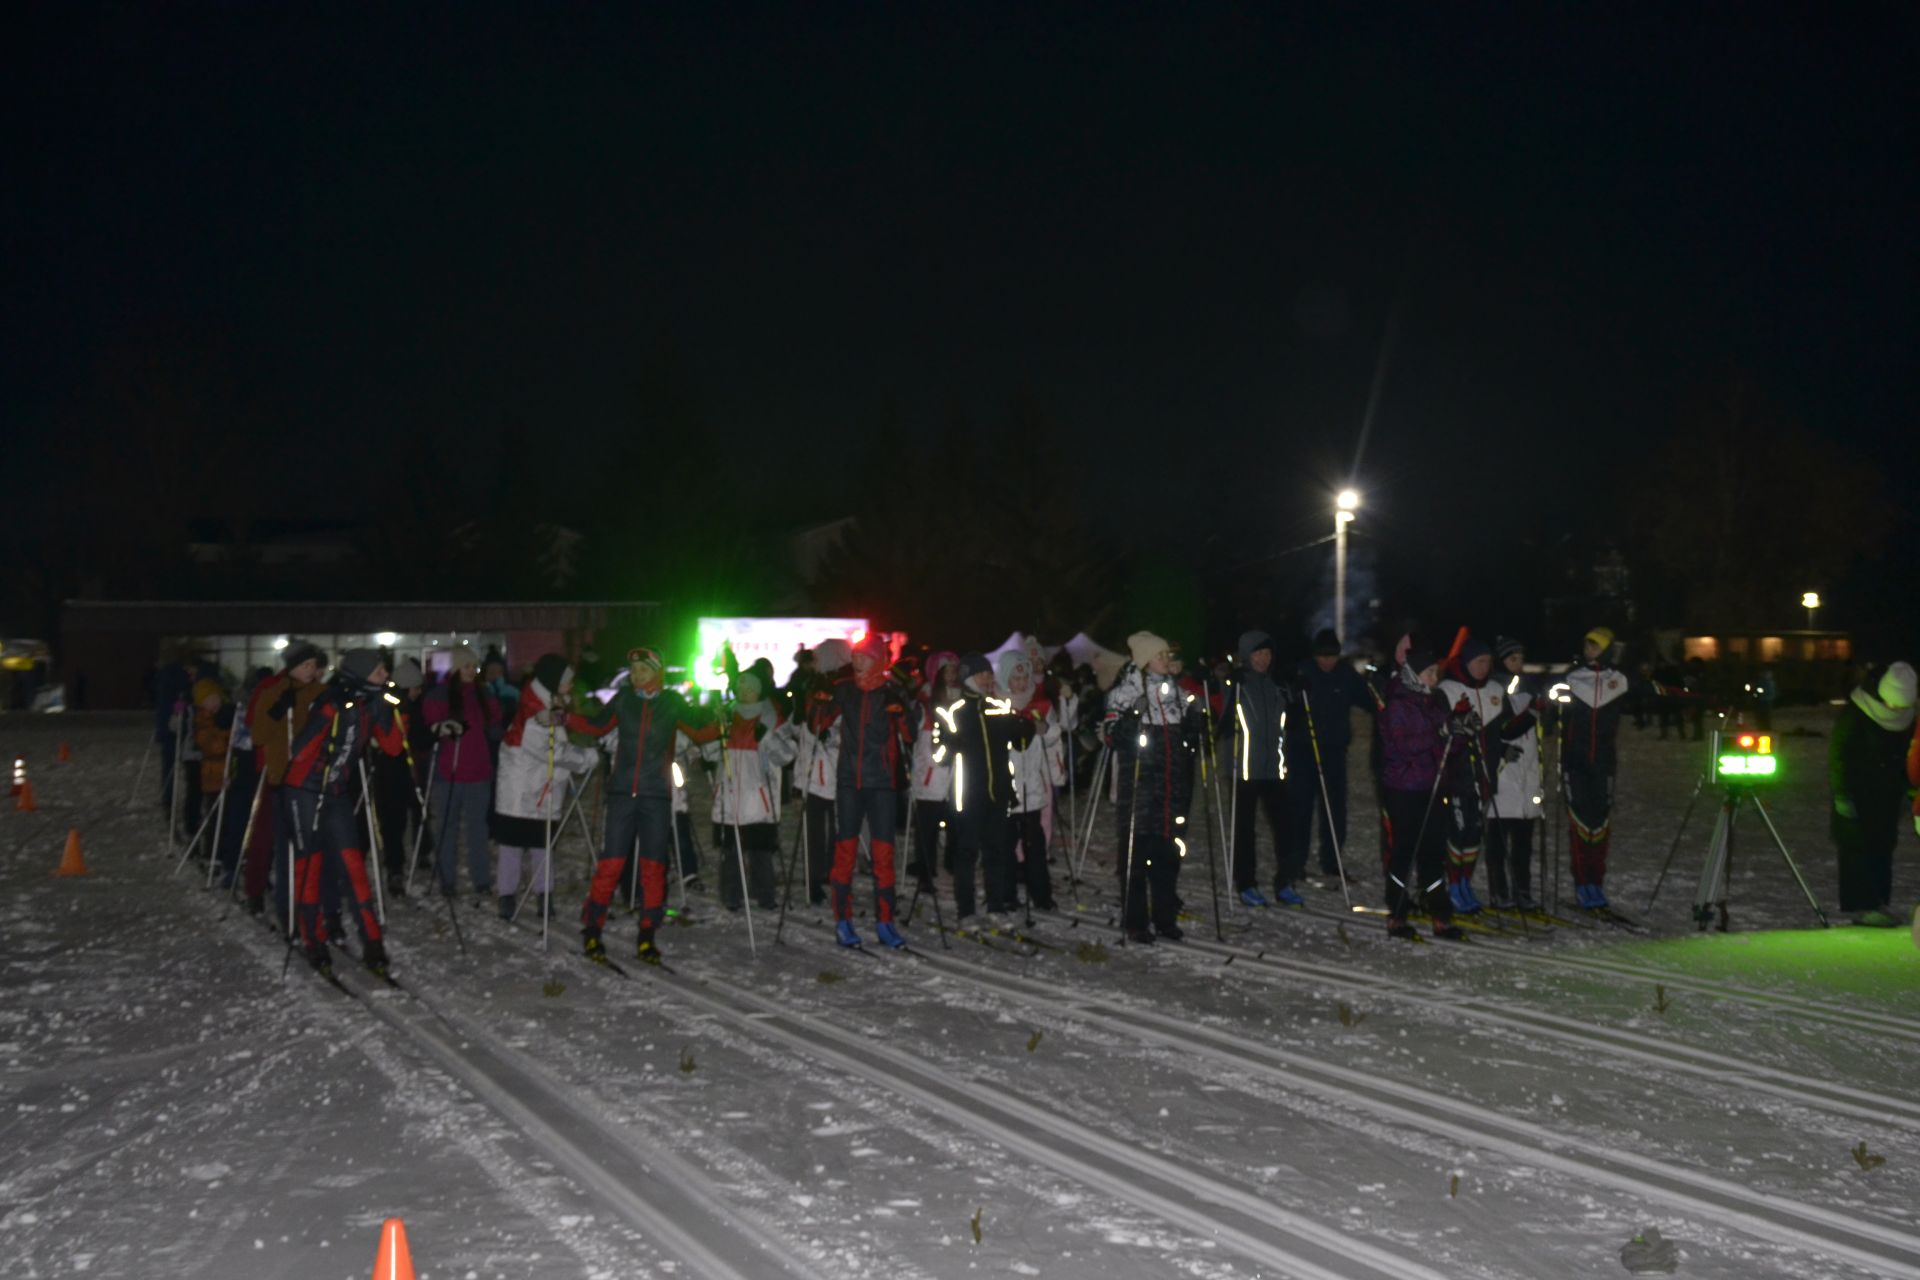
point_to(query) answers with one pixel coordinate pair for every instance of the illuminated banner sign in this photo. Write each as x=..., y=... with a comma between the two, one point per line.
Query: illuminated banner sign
x=774, y=639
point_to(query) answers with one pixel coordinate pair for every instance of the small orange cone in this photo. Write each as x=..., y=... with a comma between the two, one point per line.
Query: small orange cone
x=64, y=754
x=25, y=804
x=71, y=862
x=395, y=1260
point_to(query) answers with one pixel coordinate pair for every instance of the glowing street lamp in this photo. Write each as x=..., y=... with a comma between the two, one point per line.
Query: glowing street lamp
x=1810, y=601
x=1345, y=503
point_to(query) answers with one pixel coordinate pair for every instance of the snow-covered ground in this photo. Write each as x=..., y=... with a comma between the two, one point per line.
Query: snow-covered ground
x=1310, y=1099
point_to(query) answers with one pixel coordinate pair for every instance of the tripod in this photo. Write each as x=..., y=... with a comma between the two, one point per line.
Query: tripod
x=1716, y=872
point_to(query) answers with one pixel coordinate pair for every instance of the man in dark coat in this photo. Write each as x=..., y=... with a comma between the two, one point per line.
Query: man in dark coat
x=1866, y=770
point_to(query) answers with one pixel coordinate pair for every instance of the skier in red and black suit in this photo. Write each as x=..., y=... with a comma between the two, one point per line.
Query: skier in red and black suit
x=322, y=781
x=639, y=795
x=1482, y=704
x=877, y=721
x=1597, y=694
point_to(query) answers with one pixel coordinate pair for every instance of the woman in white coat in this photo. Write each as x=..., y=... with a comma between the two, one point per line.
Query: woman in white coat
x=1038, y=767
x=754, y=747
x=536, y=769
x=1518, y=796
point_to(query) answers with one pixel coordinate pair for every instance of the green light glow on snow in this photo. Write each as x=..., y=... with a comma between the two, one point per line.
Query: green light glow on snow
x=1842, y=960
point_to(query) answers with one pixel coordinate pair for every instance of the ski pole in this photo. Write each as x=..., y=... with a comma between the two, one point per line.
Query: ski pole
x=219, y=825
x=373, y=846
x=194, y=843
x=426, y=808
x=1210, y=782
x=173, y=777
x=246, y=836
x=1326, y=800
x=1133, y=803
x=732, y=788
x=139, y=775
x=1101, y=769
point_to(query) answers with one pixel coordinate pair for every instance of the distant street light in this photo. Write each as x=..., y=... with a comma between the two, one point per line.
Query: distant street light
x=1345, y=503
x=1810, y=601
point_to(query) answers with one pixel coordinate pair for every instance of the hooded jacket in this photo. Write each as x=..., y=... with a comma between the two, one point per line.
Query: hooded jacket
x=1866, y=757
x=1412, y=734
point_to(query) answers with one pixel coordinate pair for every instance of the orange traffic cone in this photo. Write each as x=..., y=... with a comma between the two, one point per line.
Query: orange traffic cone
x=395, y=1260
x=64, y=754
x=71, y=862
x=25, y=804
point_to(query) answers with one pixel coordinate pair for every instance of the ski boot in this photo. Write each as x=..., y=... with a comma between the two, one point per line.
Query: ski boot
x=321, y=959
x=1143, y=937
x=374, y=956
x=644, y=951
x=1288, y=896
x=844, y=933
x=1457, y=894
x=396, y=886
x=1525, y=902
x=889, y=935
x=1599, y=898
x=1472, y=899
x=1171, y=932
x=595, y=949
x=1252, y=898
x=1397, y=927
x=1447, y=931
x=506, y=906
x=539, y=906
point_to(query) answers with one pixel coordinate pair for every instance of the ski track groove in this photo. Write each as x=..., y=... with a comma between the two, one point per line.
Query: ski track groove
x=1194, y=1199
x=1882, y=1249
x=1810, y=1091
x=1579, y=961
x=569, y=1131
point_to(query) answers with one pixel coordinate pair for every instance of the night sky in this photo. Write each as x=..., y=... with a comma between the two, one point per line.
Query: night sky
x=716, y=238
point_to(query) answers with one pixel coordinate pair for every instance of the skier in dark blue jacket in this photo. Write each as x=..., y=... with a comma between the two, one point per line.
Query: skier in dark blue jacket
x=1326, y=688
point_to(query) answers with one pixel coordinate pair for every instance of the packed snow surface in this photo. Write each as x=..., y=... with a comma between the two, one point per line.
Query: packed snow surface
x=1309, y=1098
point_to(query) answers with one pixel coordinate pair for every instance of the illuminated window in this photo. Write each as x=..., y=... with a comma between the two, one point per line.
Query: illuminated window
x=1771, y=647
x=1736, y=646
x=1706, y=648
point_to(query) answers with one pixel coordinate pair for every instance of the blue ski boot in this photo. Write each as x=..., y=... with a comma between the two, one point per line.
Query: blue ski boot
x=844, y=932
x=1288, y=896
x=1598, y=898
x=1583, y=894
x=1467, y=900
x=888, y=934
x=1253, y=898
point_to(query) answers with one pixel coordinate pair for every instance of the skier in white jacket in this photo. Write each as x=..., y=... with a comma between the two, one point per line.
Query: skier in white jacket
x=536, y=769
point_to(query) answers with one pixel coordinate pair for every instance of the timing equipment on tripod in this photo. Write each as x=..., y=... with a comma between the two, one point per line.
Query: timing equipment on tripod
x=1742, y=763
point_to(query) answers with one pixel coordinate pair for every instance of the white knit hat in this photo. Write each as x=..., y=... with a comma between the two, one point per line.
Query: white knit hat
x=1897, y=686
x=1145, y=647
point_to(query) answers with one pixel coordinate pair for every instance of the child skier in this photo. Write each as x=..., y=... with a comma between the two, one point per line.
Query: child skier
x=537, y=764
x=746, y=801
x=1153, y=726
x=1416, y=736
x=1481, y=704
x=1038, y=767
x=1518, y=794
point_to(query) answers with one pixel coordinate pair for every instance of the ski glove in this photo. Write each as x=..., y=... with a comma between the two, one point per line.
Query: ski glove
x=449, y=728
x=1460, y=724
x=1843, y=806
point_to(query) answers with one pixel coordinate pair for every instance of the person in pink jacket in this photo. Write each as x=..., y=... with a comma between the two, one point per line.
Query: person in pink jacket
x=464, y=717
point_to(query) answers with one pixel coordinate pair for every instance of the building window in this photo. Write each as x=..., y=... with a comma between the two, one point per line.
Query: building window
x=1771, y=648
x=1705, y=648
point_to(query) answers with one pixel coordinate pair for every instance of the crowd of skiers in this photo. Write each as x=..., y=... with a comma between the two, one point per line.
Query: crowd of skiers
x=967, y=761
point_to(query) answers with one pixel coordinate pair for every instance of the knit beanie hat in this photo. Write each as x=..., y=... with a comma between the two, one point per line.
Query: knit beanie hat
x=551, y=670
x=462, y=658
x=831, y=655
x=408, y=675
x=1421, y=656
x=974, y=664
x=1326, y=644
x=874, y=645
x=1473, y=648
x=1145, y=646
x=1897, y=686
x=1010, y=662
x=1602, y=636
x=358, y=664
x=1505, y=647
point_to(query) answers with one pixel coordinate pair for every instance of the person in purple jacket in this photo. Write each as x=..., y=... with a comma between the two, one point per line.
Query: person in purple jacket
x=1415, y=742
x=465, y=717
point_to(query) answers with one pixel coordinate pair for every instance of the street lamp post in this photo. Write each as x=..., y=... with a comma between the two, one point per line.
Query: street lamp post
x=1810, y=601
x=1344, y=504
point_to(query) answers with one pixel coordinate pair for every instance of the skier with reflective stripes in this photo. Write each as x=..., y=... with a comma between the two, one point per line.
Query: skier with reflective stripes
x=976, y=733
x=1153, y=726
